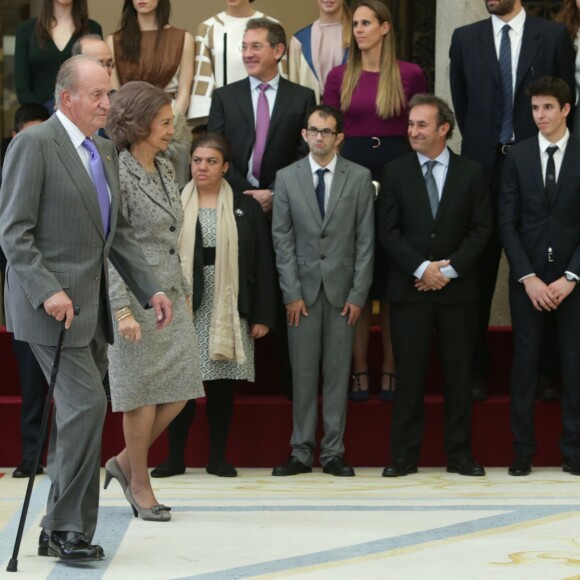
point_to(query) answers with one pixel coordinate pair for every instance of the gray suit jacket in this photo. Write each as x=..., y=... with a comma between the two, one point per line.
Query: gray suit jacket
x=336, y=252
x=52, y=234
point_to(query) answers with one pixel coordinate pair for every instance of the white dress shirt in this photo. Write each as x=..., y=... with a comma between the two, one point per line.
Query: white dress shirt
x=328, y=176
x=271, y=96
x=439, y=174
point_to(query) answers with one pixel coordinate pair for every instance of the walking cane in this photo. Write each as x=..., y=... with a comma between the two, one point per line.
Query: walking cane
x=13, y=563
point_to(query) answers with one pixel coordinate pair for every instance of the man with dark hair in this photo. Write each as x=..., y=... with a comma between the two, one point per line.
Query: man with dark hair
x=539, y=220
x=492, y=63
x=32, y=383
x=262, y=115
x=323, y=232
x=433, y=220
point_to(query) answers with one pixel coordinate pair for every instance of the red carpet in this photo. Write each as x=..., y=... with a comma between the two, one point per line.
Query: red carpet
x=263, y=418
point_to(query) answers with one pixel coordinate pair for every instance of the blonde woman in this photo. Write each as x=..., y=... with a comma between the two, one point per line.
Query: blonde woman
x=372, y=89
x=317, y=48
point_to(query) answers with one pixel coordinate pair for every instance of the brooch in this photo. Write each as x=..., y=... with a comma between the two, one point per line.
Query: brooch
x=239, y=213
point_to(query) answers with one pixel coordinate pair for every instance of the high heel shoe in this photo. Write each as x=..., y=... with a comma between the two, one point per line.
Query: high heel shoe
x=357, y=393
x=156, y=513
x=388, y=394
x=113, y=469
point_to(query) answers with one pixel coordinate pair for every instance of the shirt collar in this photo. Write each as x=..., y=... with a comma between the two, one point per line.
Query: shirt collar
x=255, y=83
x=561, y=144
x=442, y=158
x=314, y=166
x=76, y=135
x=516, y=23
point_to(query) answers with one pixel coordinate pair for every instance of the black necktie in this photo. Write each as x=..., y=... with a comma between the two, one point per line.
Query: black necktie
x=505, y=68
x=551, y=175
x=321, y=190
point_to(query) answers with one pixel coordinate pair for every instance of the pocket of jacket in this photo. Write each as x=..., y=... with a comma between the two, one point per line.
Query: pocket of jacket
x=300, y=261
x=348, y=261
x=152, y=257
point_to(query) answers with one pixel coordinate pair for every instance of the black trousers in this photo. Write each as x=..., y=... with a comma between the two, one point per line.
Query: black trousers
x=528, y=327
x=33, y=390
x=219, y=408
x=412, y=328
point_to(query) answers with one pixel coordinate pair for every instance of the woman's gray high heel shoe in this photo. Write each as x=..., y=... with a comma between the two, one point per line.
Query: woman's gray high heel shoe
x=112, y=469
x=156, y=513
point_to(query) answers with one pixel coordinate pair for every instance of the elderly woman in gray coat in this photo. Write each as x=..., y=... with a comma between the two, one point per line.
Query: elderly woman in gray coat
x=152, y=374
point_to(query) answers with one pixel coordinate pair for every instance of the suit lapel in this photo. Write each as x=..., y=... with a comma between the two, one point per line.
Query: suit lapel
x=306, y=183
x=530, y=45
x=280, y=104
x=448, y=187
x=78, y=174
x=417, y=184
x=338, y=183
x=244, y=103
x=571, y=156
x=487, y=48
x=112, y=174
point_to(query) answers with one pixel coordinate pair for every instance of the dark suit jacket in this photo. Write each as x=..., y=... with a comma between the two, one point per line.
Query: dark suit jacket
x=476, y=85
x=529, y=225
x=410, y=235
x=232, y=115
x=258, y=295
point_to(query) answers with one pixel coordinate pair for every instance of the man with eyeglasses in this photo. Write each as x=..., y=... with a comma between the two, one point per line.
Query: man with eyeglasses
x=261, y=115
x=323, y=231
x=94, y=46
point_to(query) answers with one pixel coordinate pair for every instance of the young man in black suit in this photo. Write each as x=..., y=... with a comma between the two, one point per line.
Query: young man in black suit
x=262, y=116
x=434, y=221
x=493, y=61
x=540, y=230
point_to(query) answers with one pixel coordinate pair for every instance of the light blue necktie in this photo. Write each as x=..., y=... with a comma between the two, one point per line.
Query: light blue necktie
x=100, y=182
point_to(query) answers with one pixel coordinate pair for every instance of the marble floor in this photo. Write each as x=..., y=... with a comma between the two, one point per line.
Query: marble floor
x=430, y=525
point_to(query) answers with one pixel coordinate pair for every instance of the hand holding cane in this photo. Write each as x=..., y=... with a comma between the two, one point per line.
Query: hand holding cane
x=13, y=563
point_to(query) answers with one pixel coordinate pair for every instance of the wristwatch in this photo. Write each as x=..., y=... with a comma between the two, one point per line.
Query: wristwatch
x=571, y=278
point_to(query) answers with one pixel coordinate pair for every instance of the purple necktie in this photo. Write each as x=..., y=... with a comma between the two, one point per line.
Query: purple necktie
x=100, y=182
x=262, y=126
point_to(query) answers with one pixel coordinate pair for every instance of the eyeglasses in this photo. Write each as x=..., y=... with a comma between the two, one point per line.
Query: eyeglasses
x=108, y=64
x=254, y=47
x=326, y=133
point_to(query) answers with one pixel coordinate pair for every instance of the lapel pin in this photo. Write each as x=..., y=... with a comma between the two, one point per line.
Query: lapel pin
x=108, y=158
x=239, y=213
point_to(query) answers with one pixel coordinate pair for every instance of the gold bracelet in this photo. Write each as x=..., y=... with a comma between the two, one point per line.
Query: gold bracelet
x=121, y=317
x=122, y=312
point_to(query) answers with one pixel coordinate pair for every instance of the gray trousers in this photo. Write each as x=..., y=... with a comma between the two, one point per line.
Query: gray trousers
x=74, y=452
x=324, y=334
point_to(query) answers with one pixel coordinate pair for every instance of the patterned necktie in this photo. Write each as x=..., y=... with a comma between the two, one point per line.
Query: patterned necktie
x=505, y=68
x=551, y=174
x=321, y=190
x=431, y=184
x=100, y=182
x=262, y=126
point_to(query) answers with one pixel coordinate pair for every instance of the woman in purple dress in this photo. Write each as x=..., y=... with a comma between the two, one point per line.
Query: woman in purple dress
x=372, y=89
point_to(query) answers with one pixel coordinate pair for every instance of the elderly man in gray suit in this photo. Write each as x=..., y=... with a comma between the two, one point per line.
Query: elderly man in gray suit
x=322, y=227
x=59, y=221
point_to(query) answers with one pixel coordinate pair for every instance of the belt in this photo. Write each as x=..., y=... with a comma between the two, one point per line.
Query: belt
x=503, y=148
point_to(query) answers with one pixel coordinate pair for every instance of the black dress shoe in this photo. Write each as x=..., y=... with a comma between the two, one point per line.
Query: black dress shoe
x=43, y=544
x=571, y=465
x=521, y=466
x=73, y=547
x=24, y=469
x=221, y=468
x=478, y=388
x=168, y=469
x=337, y=466
x=399, y=468
x=465, y=466
x=292, y=467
